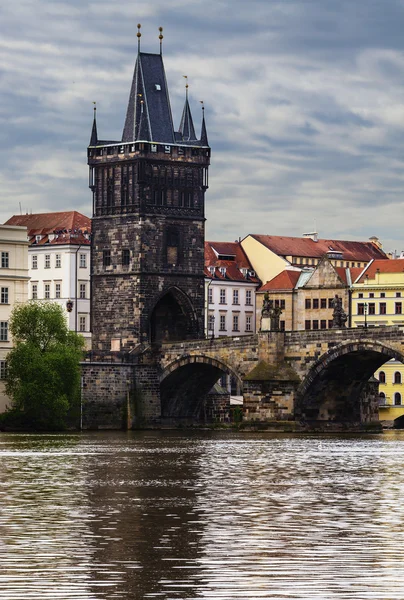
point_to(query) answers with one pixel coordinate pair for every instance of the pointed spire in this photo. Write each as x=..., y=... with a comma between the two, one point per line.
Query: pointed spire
x=204, y=135
x=94, y=134
x=187, y=129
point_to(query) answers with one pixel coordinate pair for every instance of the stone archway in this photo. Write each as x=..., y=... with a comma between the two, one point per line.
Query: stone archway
x=340, y=387
x=185, y=384
x=173, y=318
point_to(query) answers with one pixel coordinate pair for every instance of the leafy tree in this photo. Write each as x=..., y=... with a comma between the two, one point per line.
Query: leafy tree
x=43, y=371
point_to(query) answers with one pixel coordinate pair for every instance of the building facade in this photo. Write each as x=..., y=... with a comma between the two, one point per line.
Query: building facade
x=377, y=300
x=59, y=263
x=231, y=284
x=13, y=290
x=148, y=189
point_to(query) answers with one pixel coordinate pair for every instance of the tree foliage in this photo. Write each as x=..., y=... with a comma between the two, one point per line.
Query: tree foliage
x=43, y=371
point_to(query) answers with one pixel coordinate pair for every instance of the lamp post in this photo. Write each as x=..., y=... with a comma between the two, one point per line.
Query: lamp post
x=365, y=312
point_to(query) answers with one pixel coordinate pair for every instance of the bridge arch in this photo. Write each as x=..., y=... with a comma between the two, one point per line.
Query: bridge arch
x=185, y=384
x=338, y=387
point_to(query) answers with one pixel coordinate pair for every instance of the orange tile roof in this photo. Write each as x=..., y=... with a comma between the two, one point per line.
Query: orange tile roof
x=286, y=280
x=295, y=246
x=233, y=272
x=395, y=265
x=69, y=226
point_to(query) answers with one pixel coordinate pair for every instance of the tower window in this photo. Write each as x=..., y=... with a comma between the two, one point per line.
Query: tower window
x=106, y=258
x=125, y=256
x=173, y=242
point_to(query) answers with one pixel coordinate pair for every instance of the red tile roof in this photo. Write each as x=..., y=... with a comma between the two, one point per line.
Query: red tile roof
x=286, y=280
x=69, y=227
x=395, y=265
x=233, y=267
x=295, y=246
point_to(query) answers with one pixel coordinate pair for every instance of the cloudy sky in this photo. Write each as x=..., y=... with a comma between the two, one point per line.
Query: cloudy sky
x=304, y=106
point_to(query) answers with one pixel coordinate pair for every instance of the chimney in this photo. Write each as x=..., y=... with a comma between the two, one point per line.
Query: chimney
x=375, y=240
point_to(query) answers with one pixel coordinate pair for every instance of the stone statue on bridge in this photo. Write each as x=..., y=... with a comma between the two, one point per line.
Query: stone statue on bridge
x=270, y=315
x=339, y=317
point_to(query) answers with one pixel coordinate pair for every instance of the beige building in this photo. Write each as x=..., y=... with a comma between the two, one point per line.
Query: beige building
x=14, y=289
x=306, y=295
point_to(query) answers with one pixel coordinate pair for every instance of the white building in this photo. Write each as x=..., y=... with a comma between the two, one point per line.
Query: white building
x=13, y=289
x=230, y=290
x=59, y=263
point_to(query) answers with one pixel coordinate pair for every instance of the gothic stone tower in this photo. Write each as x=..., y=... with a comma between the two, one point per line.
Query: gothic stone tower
x=148, y=220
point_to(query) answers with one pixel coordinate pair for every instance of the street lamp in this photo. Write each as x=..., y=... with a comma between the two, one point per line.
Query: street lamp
x=365, y=312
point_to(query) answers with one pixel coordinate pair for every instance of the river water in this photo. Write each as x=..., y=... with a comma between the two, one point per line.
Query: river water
x=216, y=515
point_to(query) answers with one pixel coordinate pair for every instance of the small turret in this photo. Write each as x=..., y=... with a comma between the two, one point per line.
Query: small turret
x=94, y=134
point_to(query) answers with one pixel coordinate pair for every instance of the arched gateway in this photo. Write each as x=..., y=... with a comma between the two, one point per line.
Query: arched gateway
x=173, y=317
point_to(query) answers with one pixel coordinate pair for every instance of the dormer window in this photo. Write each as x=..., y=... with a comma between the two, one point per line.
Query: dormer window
x=222, y=271
x=158, y=87
x=37, y=239
x=244, y=272
x=212, y=270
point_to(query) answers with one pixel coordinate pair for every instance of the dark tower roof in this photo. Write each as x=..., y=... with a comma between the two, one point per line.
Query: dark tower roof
x=187, y=129
x=150, y=86
x=204, y=134
x=94, y=134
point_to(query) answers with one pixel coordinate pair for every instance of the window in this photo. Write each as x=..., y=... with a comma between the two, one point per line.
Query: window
x=372, y=308
x=382, y=377
x=4, y=295
x=34, y=291
x=58, y=261
x=222, y=323
x=211, y=322
x=361, y=309
x=283, y=304
x=398, y=308
x=307, y=325
x=315, y=303
x=34, y=261
x=82, y=291
x=382, y=308
x=3, y=331
x=210, y=295
x=398, y=294
x=57, y=290
x=307, y=303
x=47, y=261
x=315, y=324
x=330, y=322
x=382, y=295
x=222, y=296
x=330, y=302
x=382, y=398
x=358, y=265
x=83, y=261
x=235, y=323
x=371, y=295
x=397, y=399
x=172, y=246
x=4, y=260
x=323, y=324
x=248, y=297
x=235, y=296
x=106, y=258
x=3, y=369
x=125, y=256
x=248, y=323
x=47, y=291
x=323, y=302
x=397, y=377
x=82, y=323
x=360, y=295
x=282, y=325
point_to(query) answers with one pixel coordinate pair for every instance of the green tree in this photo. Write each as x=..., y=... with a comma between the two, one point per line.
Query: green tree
x=43, y=371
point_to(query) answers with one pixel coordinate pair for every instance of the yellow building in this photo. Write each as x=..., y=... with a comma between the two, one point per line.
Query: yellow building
x=14, y=289
x=377, y=300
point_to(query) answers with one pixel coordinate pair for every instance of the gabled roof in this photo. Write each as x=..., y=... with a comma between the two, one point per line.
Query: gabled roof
x=285, y=281
x=213, y=250
x=149, y=88
x=383, y=266
x=70, y=227
x=306, y=247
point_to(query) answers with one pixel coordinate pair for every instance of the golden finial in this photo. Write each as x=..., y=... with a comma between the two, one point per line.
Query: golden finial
x=161, y=39
x=203, y=106
x=139, y=35
x=95, y=108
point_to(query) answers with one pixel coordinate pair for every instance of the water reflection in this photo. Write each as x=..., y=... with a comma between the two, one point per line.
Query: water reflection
x=201, y=515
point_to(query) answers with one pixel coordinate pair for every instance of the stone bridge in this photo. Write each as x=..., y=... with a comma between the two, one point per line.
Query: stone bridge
x=312, y=378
